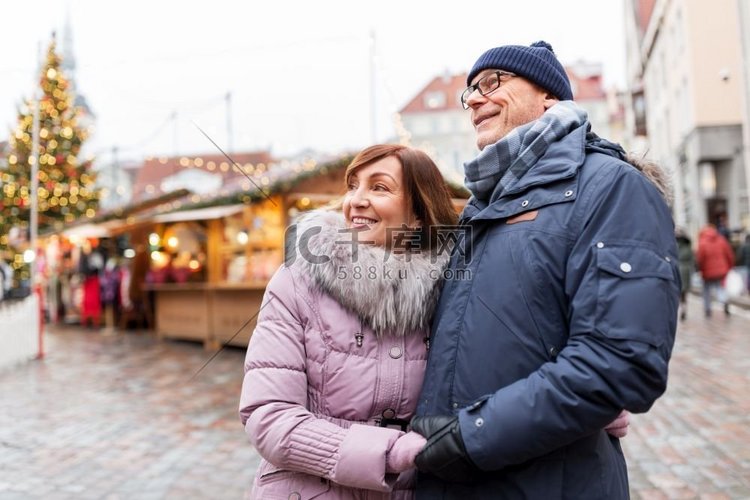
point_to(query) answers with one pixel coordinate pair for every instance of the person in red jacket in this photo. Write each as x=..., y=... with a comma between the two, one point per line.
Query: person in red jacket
x=715, y=258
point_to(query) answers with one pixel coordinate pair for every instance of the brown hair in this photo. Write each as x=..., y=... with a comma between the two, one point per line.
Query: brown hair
x=424, y=185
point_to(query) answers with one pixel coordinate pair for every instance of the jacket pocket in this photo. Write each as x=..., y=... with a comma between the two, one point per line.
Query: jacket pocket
x=274, y=483
x=634, y=286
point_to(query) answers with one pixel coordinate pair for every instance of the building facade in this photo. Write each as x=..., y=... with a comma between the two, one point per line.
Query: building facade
x=685, y=76
x=436, y=123
x=744, y=27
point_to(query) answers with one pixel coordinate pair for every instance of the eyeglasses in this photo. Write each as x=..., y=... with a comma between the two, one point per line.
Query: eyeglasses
x=487, y=85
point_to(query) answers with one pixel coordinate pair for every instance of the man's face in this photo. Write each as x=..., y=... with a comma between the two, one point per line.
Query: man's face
x=516, y=102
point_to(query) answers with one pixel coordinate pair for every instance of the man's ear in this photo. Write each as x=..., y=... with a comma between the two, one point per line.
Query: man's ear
x=549, y=101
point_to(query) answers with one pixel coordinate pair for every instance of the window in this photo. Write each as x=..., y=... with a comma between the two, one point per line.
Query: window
x=434, y=100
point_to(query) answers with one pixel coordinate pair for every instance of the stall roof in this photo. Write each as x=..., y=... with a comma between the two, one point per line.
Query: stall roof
x=118, y=218
x=199, y=214
x=86, y=231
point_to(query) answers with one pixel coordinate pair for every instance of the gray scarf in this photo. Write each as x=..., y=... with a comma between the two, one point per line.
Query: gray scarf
x=499, y=166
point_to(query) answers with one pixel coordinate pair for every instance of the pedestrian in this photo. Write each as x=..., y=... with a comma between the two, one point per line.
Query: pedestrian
x=335, y=364
x=110, y=283
x=571, y=309
x=715, y=259
x=744, y=259
x=6, y=278
x=686, y=258
x=722, y=228
x=90, y=265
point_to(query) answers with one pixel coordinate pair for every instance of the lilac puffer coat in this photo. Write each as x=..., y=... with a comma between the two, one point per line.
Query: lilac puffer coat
x=339, y=347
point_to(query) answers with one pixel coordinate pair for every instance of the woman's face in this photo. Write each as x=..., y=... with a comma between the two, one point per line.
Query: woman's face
x=376, y=200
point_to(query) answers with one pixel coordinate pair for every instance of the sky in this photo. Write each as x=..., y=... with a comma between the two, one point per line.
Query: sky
x=299, y=73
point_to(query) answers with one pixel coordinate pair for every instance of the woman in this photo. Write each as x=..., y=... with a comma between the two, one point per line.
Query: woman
x=335, y=365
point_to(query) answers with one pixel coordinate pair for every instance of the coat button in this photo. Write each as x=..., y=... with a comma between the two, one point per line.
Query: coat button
x=568, y=193
x=454, y=405
x=626, y=267
x=395, y=352
x=553, y=351
x=600, y=245
x=479, y=422
x=668, y=259
x=525, y=203
x=388, y=413
x=294, y=496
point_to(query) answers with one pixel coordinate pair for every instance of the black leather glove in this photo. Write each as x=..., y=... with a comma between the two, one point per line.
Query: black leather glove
x=444, y=455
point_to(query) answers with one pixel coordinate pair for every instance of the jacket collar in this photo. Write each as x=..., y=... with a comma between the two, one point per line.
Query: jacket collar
x=390, y=292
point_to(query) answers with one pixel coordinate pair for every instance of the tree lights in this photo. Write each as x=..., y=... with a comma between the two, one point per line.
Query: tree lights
x=66, y=183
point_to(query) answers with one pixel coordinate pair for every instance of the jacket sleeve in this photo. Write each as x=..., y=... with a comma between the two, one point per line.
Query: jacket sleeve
x=622, y=285
x=274, y=399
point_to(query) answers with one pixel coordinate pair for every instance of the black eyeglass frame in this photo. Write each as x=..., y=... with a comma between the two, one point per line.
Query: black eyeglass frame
x=471, y=88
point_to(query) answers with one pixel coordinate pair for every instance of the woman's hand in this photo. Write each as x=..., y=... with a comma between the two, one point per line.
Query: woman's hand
x=401, y=455
x=619, y=426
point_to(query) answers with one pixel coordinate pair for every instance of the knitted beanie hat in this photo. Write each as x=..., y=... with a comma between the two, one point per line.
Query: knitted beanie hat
x=537, y=63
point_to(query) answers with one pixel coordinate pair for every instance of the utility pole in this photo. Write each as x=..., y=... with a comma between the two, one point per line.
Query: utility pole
x=114, y=177
x=230, y=145
x=373, y=94
x=34, y=160
x=36, y=288
x=176, y=134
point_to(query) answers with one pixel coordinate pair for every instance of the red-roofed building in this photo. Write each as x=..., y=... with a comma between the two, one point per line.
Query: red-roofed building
x=604, y=110
x=439, y=125
x=201, y=174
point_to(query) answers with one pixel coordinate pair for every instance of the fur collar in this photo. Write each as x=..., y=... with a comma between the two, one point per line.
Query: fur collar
x=391, y=293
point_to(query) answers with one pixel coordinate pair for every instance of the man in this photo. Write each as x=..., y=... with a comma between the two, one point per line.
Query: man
x=564, y=306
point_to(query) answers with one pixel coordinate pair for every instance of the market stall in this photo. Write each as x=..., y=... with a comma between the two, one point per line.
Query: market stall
x=210, y=261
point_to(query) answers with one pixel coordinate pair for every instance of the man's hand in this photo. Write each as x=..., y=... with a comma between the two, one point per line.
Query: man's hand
x=444, y=455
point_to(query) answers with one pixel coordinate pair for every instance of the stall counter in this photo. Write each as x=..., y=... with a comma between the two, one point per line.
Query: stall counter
x=215, y=314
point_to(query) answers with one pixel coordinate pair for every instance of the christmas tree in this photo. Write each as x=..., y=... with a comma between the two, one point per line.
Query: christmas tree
x=66, y=183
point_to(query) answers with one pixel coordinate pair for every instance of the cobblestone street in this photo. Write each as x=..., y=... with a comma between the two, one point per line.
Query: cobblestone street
x=695, y=441
x=121, y=417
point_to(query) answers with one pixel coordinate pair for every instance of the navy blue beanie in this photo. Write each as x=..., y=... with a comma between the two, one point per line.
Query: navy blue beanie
x=537, y=63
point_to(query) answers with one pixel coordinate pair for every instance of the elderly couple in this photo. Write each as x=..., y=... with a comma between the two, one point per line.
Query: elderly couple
x=511, y=375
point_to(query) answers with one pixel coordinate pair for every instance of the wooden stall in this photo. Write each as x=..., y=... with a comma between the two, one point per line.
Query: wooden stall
x=210, y=263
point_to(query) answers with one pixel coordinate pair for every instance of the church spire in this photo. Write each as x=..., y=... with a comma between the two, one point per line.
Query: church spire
x=68, y=59
x=68, y=67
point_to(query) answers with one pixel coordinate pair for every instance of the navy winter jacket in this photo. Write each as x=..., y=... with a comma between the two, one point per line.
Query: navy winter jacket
x=558, y=312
